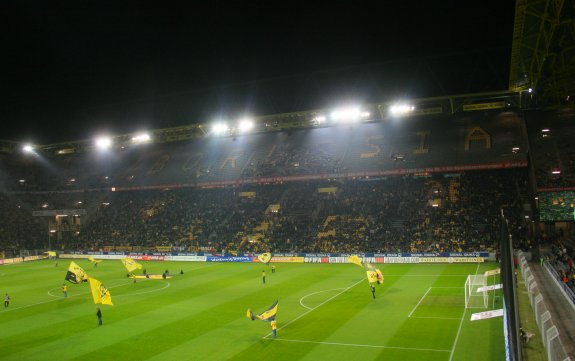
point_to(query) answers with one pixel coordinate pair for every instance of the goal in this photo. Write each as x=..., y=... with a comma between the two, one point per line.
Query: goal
x=473, y=297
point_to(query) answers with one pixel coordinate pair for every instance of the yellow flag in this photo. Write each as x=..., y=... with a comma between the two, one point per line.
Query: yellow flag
x=51, y=253
x=379, y=276
x=355, y=260
x=130, y=264
x=371, y=276
x=265, y=257
x=270, y=313
x=93, y=260
x=76, y=274
x=100, y=294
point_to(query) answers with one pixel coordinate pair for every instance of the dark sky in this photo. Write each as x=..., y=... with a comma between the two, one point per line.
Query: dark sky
x=70, y=69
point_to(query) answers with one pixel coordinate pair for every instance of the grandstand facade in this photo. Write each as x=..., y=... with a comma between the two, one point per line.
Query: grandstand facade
x=431, y=182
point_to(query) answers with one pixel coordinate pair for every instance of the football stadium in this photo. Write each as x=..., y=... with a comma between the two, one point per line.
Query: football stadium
x=433, y=228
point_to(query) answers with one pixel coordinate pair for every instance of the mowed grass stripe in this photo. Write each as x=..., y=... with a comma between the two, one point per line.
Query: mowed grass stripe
x=209, y=315
x=236, y=339
x=202, y=314
x=216, y=286
x=321, y=321
x=204, y=331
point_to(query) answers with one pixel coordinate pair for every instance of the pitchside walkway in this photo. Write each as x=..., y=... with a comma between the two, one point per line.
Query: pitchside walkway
x=561, y=310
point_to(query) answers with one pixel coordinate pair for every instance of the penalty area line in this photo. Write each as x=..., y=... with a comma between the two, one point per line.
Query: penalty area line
x=421, y=299
x=362, y=345
x=460, y=324
x=437, y=318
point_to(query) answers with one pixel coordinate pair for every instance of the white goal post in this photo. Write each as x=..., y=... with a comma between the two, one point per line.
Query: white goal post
x=474, y=298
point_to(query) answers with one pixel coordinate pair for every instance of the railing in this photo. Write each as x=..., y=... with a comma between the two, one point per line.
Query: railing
x=548, y=330
x=567, y=292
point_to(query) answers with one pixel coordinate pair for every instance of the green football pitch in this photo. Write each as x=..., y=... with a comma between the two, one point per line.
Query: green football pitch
x=326, y=312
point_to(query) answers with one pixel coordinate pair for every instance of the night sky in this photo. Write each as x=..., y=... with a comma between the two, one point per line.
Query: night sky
x=72, y=69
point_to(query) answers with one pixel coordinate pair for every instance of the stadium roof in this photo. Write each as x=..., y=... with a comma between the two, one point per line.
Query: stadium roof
x=543, y=55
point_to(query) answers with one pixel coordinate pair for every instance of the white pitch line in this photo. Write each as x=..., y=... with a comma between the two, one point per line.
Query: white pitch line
x=421, y=299
x=460, y=324
x=439, y=318
x=77, y=295
x=83, y=293
x=457, y=336
x=425, y=275
x=168, y=284
x=321, y=304
x=360, y=345
x=315, y=293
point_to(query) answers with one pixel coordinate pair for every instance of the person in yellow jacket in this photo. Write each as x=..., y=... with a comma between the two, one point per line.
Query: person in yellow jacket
x=274, y=328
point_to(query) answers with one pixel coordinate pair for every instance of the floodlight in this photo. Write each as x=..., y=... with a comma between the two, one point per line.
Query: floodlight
x=348, y=114
x=220, y=128
x=319, y=119
x=401, y=109
x=103, y=142
x=28, y=148
x=245, y=125
x=556, y=171
x=141, y=138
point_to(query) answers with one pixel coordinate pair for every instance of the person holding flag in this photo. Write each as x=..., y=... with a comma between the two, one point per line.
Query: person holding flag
x=264, y=277
x=65, y=290
x=99, y=315
x=76, y=274
x=274, y=327
x=372, y=290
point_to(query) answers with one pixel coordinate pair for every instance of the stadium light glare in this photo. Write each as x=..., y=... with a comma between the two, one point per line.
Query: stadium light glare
x=556, y=171
x=319, y=119
x=141, y=138
x=220, y=128
x=245, y=125
x=401, y=109
x=28, y=148
x=347, y=114
x=103, y=142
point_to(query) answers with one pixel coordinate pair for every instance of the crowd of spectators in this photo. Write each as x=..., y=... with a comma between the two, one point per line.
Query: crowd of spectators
x=562, y=259
x=431, y=213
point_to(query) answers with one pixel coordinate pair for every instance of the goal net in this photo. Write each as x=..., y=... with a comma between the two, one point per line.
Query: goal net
x=473, y=297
